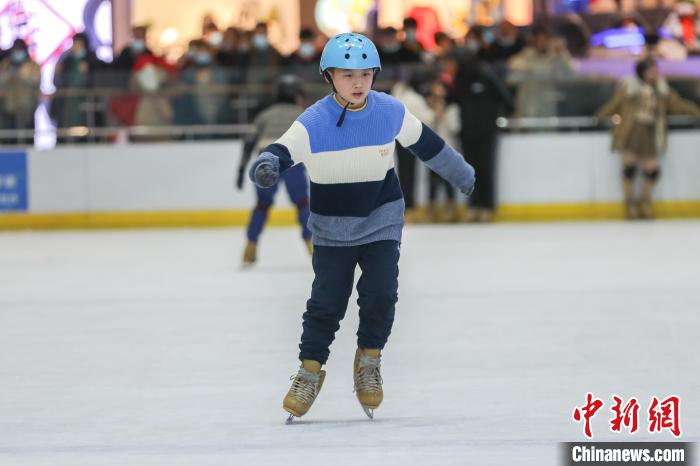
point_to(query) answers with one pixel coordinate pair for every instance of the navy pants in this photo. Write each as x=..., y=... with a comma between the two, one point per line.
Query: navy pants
x=298, y=189
x=377, y=289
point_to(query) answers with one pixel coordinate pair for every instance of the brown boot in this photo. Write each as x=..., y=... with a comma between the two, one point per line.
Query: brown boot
x=631, y=210
x=305, y=387
x=449, y=212
x=646, y=210
x=368, y=379
x=433, y=213
x=486, y=216
x=473, y=215
x=631, y=207
x=250, y=253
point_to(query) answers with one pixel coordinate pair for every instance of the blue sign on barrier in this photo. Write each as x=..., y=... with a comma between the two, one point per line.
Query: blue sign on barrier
x=13, y=181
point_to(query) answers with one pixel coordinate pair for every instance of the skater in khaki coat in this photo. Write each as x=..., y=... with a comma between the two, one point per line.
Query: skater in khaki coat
x=641, y=105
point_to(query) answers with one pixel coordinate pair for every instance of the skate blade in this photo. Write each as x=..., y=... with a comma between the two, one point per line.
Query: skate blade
x=369, y=412
x=290, y=419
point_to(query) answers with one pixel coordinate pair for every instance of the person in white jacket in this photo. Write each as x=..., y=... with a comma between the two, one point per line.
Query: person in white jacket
x=414, y=100
x=446, y=122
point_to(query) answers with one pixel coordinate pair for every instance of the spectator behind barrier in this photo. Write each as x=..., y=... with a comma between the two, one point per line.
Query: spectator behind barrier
x=150, y=77
x=507, y=42
x=303, y=62
x=684, y=25
x=227, y=53
x=124, y=63
x=265, y=60
x=410, y=41
x=396, y=58
x=201, y=107
x=544, y=60
x=482, y=98
x=75, y=71
x=446, y=123
x=412, y=95
x=20, y=77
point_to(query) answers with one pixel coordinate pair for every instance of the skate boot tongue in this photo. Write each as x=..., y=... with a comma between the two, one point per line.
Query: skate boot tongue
x=311, y=366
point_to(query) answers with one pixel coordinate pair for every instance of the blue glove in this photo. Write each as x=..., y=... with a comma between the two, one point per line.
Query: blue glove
x=266, y=170
x=468, y=186
x=469, y=189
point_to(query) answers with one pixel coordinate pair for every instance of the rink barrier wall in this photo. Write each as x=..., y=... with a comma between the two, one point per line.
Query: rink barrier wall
x=541, y=177
x=288, y=217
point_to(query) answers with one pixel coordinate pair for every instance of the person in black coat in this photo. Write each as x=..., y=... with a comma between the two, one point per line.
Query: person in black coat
x=482, y=98
x=124, y=62
x=76, y=70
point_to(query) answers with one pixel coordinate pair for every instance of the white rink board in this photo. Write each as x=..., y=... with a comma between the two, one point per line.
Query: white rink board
x=534, y=169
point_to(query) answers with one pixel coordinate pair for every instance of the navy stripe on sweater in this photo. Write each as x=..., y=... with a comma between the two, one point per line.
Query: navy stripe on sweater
x=428, y=145
x=283, y=154
x=354, y=199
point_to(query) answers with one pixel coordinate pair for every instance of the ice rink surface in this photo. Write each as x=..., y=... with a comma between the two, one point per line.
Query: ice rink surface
x=155, y=348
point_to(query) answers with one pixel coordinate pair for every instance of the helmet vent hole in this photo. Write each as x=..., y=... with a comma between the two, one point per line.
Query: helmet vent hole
x=364, y=55
x=347, y=55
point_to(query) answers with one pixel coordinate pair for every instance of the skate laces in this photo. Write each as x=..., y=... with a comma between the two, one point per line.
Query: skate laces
x=304, y=386
x=368, y=378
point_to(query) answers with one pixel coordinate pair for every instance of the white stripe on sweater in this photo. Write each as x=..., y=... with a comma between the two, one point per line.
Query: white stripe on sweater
x=411, y=129
x=358, y=164
x=296, y=140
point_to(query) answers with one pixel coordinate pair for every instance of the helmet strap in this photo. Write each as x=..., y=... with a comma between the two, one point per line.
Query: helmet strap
x=329, y=79
x=342, y=116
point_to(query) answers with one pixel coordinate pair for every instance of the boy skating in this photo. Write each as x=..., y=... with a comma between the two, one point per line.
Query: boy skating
x=346, y=140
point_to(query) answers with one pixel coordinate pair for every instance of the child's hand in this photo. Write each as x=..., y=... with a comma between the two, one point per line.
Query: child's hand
x=467, y=187
x=266, y=175
x=266, y=170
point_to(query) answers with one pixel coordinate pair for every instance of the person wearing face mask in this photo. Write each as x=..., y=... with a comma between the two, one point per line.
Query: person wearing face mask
x=545, y=60
x=202, y=106
x=475, y=43
x=264, y=58
x=410, y=42
x=304, y=61
x=149, y=78
x=507, y=42
x=264, y=65
x=75, y=69
x=227, y=51
x=398, y=59
x=124, y=63
x=393, y=51
x=213, y=36
x=19, y=80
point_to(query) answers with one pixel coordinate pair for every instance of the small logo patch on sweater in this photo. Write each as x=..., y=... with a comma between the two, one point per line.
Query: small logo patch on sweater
x=383, y=151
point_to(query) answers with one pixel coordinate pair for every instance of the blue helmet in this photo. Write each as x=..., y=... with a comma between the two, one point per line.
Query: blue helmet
x=350, y=51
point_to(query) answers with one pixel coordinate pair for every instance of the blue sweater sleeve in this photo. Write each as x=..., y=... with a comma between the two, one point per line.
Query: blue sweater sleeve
x=439, y=156
x=291, y=148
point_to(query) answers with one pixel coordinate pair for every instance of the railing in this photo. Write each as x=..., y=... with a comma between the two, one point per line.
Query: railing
x=111, y=114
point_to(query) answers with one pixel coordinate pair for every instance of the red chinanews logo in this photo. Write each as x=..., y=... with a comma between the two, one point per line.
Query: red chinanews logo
x=663, y=414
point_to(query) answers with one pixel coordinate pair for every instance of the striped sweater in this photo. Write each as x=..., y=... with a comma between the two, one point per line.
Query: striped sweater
x=355, y=193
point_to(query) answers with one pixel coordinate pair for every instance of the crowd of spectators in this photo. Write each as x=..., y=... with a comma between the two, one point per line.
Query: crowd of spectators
x=197, y=89
x=460, y=87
